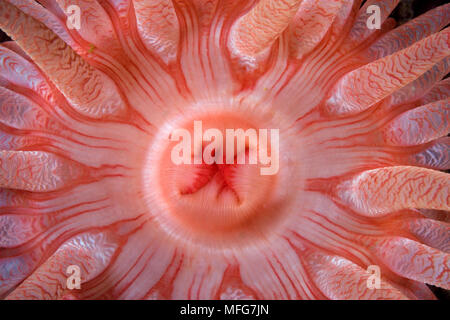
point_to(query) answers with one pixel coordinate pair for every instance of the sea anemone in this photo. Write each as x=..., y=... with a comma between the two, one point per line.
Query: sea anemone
x=356, y=209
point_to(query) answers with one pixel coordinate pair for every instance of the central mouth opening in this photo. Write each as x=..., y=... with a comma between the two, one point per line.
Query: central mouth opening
x=220, y=177
x=217, y=174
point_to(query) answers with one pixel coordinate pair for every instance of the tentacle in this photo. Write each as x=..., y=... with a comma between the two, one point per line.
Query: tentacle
x=440, y=91
x=54, y=23
x=344, y=19
x=419, y=125
x=418, y=290
x=18, y=71
x=396, y=188
x=158, y=26
x=411, y=32
x=414, y=260
x=258, y=29
x=341, y=279
x=432, y=233
x=360, y=31
x=95, y=25
x=41, y=217
x=311, y=23
x=91, y=253
x=32, y=113
x=435, y=155
x=70, y=73
x=368, y=85
x=16, y=111
x=418, y=88
x=37, y=171
x=14, y=47
x=35, y=103
x=15, y=269
x=16, y=230
x=25, y=123
x=69, y=213
x=16, y=264
x=303, y=87
x=25, y=224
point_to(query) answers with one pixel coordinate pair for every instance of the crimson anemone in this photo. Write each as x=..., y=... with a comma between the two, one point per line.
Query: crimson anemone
x=86, y=179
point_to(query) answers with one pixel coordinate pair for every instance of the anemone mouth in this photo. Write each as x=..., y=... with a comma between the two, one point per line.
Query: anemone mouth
x=223, y=194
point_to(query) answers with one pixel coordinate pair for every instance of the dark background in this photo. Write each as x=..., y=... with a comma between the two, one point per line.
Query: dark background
x=408, y=9
x=405, y=11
